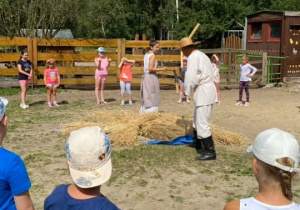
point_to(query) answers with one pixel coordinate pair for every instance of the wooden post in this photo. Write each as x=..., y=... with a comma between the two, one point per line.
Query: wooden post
x=120, y=55
x=144, y=37
x=136, y=38
x=32, y=56
x=264, y=68
x=229, y=67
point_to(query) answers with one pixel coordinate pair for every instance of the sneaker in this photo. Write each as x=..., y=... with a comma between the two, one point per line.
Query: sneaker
x=130, y=102
x=24, y=106
x=55, y=104
x=247, y=104
x=179, y=101
x=239, y=103
x=49, y=104
x=187, y=100
x=122, y=103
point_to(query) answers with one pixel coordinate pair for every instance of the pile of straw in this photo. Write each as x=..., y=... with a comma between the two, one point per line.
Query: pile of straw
x=127, y=129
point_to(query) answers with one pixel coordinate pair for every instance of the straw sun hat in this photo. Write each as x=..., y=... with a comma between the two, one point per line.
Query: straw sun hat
x=184, y=42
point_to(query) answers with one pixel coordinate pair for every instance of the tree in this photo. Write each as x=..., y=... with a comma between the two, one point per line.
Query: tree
x=24, y=17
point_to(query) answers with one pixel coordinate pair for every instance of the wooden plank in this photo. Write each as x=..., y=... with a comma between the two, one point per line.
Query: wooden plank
x=80, y=81
x=145, y=44
x=264, y=69
x=7, y=57
x=71, y=57
x=78, y=70
x=169, y=58
x=78, y=42
x=16, y=41
x=162, y=81
x=9, y=72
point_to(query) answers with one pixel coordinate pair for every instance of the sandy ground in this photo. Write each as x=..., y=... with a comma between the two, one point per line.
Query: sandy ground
x=191, y=185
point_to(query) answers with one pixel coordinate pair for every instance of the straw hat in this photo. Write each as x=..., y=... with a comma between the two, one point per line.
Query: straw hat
x=184, y=42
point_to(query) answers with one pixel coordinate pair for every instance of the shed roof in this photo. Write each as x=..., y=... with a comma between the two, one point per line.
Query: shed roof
x=285, y=13
x=61, y=34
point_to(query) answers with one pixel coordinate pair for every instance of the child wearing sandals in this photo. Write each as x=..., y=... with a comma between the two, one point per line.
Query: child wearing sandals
x=247, y=71
x=52, y=80
x=125, y=79
x=102, y=64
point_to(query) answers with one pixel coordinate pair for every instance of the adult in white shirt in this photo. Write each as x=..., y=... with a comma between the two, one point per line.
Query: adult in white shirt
x=199, y=77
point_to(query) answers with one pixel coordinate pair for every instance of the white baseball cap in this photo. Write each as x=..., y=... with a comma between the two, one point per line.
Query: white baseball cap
x=273, y=144
x=101, y=50
x=3, y=104
x=83, y=149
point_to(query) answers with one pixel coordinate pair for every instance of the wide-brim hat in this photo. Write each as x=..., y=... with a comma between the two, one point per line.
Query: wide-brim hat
x=186, y=41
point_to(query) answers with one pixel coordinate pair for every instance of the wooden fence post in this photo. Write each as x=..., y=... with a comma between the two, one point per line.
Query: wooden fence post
x=264, y=68
x=121, y=53
x=32, y=55
x=229, y=67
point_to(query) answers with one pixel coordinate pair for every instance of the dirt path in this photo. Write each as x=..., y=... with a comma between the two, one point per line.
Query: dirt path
x=157, y=177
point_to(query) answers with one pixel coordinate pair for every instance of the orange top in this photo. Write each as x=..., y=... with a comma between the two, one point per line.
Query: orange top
x=125, y=74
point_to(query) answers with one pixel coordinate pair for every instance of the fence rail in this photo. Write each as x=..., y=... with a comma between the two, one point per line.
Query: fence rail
x=71, y=52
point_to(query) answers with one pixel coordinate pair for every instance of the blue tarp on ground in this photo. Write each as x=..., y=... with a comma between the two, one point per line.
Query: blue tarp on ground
x=182, y=140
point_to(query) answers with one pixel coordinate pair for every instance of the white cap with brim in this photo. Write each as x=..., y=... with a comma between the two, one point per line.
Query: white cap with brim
x=101, y=50
x=273, y=144
x=84, y=148
x=3, y=104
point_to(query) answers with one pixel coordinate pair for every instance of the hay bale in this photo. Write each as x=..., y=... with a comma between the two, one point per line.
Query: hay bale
x=127, y=129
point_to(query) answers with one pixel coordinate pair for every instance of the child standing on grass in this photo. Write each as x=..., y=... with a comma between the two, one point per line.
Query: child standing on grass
x=25, y=76
x=102, y=64
x=247, y=71
x=52, y=80
x=182, y=71
x=125, y=79
x=215, y=62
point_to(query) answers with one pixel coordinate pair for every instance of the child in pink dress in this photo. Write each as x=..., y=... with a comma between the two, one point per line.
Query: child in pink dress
x=102, y=64
x=52, y=80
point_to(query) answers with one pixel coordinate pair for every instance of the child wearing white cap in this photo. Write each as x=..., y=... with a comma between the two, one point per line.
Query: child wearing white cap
x=14, y=180
x=88, y=154
x=275, y=162
x=102, y=63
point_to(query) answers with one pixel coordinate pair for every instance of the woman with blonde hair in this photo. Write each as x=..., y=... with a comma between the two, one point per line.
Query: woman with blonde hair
x=275, y=162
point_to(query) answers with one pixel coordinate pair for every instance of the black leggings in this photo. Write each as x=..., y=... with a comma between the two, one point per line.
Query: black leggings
x=242, y=86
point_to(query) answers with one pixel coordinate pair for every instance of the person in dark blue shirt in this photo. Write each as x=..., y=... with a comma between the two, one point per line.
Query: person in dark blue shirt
x=14, y=180
x=88, y=153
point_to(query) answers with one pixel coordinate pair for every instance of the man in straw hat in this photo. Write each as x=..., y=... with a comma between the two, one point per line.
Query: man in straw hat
x=88, y=154
x=14, y=180
x=199, y=77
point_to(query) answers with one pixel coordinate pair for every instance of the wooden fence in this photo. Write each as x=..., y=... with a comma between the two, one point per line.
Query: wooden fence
x=75, y=59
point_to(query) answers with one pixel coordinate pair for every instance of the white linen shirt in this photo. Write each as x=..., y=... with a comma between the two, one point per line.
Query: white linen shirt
x=247, y=69
x=199, y=77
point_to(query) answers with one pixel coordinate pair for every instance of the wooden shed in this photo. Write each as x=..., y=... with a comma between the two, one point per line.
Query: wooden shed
x=278, y=34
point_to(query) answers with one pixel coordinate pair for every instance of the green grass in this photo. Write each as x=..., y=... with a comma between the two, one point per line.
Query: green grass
x=16, y=91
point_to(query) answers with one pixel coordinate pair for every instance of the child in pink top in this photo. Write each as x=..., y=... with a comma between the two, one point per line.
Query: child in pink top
x=52, y=80
x=102, y=64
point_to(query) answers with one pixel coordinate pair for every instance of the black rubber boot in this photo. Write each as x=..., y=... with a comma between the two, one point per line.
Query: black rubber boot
x=209, y=150
x=198, y=143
